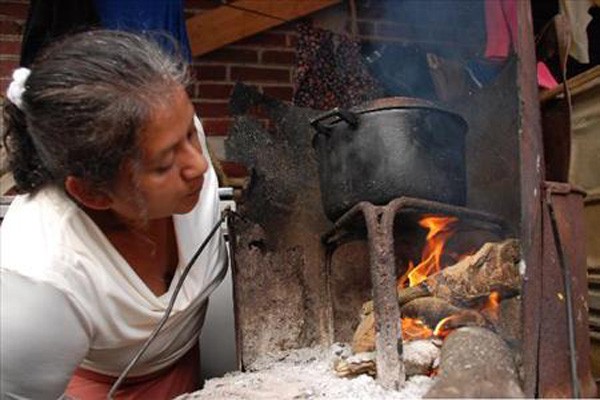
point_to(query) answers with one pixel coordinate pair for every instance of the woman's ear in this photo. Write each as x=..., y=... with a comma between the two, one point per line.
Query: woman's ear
x=86, y=194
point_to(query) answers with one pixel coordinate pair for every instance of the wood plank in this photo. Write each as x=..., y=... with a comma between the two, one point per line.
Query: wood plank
x=229, y=23
x=594, y=321
x=587, y=80
x=594, y=301
x=594, y=279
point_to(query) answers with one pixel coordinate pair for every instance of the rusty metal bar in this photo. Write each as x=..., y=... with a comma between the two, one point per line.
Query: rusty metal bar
x=347, y=224
x=388, y=333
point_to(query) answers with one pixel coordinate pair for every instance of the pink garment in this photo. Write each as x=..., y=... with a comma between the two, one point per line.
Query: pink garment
x=181, y=378
x=501, y=26
x=545, y=78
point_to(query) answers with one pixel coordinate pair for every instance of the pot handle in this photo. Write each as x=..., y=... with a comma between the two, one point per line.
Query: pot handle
x=348, y=116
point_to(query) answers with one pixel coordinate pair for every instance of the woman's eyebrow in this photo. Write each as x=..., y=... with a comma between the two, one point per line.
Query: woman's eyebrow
x=162, y=153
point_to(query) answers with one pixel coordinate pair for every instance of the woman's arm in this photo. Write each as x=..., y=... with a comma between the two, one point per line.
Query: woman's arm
x=42, y=339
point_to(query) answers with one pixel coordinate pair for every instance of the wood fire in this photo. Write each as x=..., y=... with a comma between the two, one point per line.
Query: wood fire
x=436, y=299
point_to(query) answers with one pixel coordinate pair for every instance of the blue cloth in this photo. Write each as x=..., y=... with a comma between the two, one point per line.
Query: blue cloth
x=155, y=17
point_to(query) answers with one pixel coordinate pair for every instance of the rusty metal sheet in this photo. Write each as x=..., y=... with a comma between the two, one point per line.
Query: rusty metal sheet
x=280, y=298
x=554, y=354
x=531, y=159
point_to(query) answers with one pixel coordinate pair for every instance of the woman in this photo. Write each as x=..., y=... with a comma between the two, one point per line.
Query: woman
x=117, y=196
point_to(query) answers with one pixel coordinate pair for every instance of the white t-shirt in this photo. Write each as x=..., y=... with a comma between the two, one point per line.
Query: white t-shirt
x=69, y=299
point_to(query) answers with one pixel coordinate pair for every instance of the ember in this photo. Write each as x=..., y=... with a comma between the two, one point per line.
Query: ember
x=413, y=328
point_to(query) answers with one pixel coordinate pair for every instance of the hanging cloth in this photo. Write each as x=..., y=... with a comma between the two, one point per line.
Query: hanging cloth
x=50, y=19
x=577, y=13
x=155, y=17
x=330, y=71
x=501, y=27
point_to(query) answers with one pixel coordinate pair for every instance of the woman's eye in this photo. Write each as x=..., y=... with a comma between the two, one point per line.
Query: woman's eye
x=163, y=169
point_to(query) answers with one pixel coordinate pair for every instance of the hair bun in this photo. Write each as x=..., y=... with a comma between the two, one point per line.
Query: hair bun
x=16, y=88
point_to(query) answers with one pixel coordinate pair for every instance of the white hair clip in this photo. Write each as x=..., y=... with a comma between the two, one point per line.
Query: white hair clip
x=17, y=86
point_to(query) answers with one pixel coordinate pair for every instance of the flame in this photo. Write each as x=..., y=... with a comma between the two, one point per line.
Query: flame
x=443, y=329
x=414, y=328
x=439, y=230
x=492, y=307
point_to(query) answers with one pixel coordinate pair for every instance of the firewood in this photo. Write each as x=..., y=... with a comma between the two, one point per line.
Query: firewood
x=465, y=318
x=465, y=284
x=430, y=310
x=360, y=363
x=476, y=363
x=492, y=269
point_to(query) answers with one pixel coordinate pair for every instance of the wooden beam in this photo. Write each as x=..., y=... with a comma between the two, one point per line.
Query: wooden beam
x=234, y=21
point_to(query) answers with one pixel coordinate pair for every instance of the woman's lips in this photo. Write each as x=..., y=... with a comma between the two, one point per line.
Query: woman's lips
x=196, y=188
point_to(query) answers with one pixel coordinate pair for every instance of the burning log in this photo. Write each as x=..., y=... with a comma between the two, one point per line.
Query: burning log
x=430, y=310
x=476, y=363
x=461, y=319
x=468, y=283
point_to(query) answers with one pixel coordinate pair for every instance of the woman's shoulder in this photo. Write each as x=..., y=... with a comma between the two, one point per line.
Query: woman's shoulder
x=39, y=231
x=49, y=204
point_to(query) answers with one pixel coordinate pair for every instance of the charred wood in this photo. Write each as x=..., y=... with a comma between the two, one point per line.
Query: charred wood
x=494, y=268
x=466, y=284
x=430, y=310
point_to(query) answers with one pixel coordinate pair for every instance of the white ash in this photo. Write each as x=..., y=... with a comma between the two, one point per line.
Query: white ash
x=303, y=374
x=420, y=356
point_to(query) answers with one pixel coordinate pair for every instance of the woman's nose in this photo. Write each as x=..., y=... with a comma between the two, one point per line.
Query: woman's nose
x=195, y=163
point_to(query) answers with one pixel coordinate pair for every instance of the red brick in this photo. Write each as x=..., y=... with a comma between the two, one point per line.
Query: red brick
x=234, y=169
x=10, y=27
x=10, y=47
x=268, y=39
x=216, y=127
x=213, y=91
x=210, y=72
x=14, y=9
x=7, y=67
x=233, y=55
x=279, y=57
x=212, y=110
x=292, y=41
x=284, y=93
x=260, y=74
x=4, y=82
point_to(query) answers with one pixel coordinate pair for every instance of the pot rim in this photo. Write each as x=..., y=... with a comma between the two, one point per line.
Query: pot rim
x=390, y=103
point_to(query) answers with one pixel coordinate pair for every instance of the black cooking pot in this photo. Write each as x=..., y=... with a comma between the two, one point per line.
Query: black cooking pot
x=389, y=148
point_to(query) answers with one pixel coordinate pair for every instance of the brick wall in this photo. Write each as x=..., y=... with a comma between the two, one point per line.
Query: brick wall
x=12, y=19
x=267, y=60
x=264, y=61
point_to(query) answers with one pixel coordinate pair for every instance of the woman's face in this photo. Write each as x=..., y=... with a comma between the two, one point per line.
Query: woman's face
x=170, y=175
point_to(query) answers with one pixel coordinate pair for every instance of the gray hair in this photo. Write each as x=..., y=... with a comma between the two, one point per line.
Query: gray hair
x=85, y=103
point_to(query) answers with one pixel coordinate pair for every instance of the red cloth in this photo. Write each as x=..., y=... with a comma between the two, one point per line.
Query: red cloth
x=545, y=78
x=181, y=378
x=501, y=26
